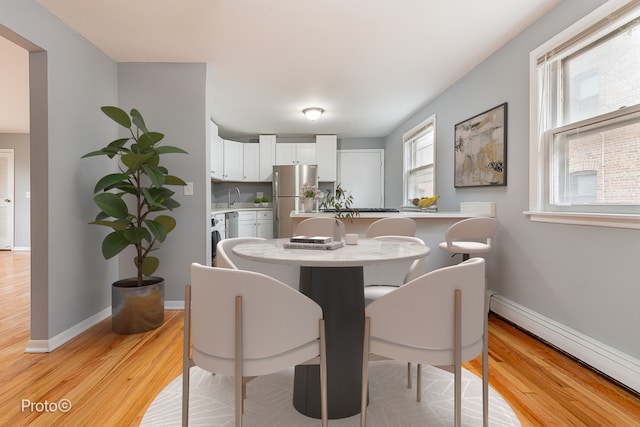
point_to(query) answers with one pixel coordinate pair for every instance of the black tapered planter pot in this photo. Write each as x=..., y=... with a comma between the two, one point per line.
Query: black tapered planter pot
x=135, y=308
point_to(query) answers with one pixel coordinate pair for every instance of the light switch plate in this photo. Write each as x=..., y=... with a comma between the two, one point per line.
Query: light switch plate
x=188, y=189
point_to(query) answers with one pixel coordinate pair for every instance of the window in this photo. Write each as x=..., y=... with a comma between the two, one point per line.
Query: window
x=585, y=135
x=419, y=161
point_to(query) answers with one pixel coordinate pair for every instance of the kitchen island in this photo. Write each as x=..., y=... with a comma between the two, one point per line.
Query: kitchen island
x=430, y=226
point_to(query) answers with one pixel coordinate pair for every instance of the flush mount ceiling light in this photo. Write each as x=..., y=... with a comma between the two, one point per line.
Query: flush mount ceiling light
x=312, y=113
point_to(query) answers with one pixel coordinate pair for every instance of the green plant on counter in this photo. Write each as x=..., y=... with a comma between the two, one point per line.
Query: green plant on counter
x=257, y=200
x=265, y=199
x=342, y=204
x=142, y=182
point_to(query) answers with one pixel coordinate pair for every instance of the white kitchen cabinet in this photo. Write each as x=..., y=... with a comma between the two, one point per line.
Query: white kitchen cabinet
x=264, y=224
x=306, y=153
x=285, y=154
x=251, y=162
x=327, y=157
x=216, y=154
x=267, y=157
x=255, y=224
x=247, y=224
x=303, y=153
x=233, y=160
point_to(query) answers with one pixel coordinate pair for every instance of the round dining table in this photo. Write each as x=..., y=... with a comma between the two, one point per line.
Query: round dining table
x=334, y=279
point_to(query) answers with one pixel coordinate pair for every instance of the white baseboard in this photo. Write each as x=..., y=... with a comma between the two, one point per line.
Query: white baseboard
x=21, y=248
x=46, y=346
x=614, y=363
x=174, y=305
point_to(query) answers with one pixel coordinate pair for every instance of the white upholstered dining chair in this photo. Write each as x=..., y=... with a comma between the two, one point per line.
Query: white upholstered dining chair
x=438, y=319
x=392, y=226
x=319, y=226
x=381, y=279
x=245, y=324
x=286, y=273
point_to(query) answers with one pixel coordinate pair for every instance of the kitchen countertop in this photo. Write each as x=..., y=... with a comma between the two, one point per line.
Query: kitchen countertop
x=406, y=214
x=239, y=207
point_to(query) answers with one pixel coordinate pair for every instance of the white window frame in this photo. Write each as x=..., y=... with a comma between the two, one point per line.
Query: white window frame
x=538, y=146
x=412, y=134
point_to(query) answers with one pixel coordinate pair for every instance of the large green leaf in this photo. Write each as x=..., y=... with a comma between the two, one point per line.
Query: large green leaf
x=116, y=225
x=155, y=136
x=95, y=153
x=166, y=149
x=145, y=141
x=167, y=222
x=173, y=180
x=149, y=265
x=113, y=244
x=137, y=234
x=126, y=187
x=138, y=120
x=112, y=205
x=155, y=175
x=117, y=115
x=110, y=180
x=157, y=229
x=134, y=161
x=118, y=144
x=171, y=204
x=156, y=196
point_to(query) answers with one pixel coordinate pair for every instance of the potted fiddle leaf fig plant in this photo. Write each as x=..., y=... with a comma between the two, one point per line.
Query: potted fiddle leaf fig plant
x=130, y=202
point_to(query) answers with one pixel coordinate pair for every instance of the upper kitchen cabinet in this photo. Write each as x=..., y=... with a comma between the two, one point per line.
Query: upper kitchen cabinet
x=303, y=153
x=267, y=156
x=241, y=161
x=251, y=162
x=216, y=153
x=233, y=160
x=327, y=157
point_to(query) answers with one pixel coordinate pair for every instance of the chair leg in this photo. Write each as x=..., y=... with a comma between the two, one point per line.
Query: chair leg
x=409, y=381
x=485, y=361
x=365, y=373
x=323, y=375
x=239, y=402
x=186, y=357
x=458, y=359
x=419, y=384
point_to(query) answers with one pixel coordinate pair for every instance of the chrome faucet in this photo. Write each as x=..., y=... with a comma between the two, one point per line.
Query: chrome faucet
x=229, y=202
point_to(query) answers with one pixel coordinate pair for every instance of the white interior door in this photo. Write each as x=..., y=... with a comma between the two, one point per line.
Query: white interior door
x=6, y=199
x=361, y=172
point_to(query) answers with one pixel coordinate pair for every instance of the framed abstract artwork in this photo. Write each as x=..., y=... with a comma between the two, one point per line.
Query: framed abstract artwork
x=481, y=149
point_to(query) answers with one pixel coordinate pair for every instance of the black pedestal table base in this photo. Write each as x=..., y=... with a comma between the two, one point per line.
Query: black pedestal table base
x=340, y=293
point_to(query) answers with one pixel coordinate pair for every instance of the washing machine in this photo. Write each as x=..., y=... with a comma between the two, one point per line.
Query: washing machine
x=217, y=233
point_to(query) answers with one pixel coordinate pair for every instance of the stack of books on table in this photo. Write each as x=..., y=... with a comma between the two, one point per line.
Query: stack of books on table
x=312, y=242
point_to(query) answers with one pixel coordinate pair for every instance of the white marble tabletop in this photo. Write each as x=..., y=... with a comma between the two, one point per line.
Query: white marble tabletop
x=366, y=252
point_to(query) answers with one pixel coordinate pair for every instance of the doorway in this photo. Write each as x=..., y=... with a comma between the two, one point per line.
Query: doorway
x=6, y=199
x=17, y=77
x=365, y=182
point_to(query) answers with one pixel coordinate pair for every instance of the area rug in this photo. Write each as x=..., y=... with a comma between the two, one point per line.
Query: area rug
x=391, y=403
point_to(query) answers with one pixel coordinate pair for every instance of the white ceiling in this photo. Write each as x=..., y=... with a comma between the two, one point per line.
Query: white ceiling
x=369, y=63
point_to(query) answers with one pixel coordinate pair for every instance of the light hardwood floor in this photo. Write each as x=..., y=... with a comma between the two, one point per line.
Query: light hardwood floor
x=111, y=379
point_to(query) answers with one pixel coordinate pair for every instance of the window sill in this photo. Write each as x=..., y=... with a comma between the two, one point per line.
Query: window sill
x=593, y=219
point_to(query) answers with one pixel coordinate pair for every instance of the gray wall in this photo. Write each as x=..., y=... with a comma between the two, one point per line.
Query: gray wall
x=172, y=100
x=583, y=277
x=22, y=205
x=69, y=80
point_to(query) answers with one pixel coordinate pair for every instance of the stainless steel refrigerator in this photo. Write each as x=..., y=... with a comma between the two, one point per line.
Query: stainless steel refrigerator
x=287, y=182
